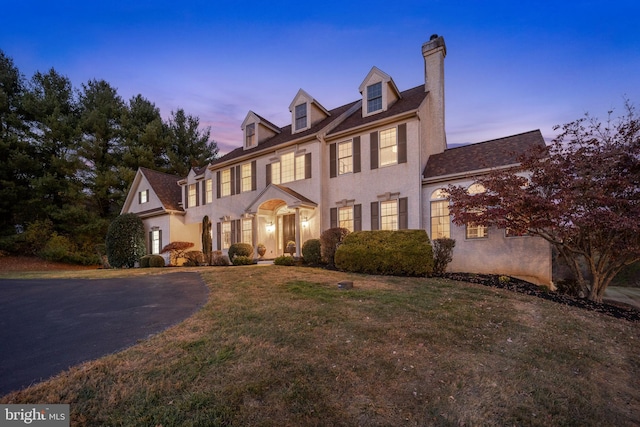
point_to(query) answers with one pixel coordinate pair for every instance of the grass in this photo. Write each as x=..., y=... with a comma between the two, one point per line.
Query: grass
x=282, y=346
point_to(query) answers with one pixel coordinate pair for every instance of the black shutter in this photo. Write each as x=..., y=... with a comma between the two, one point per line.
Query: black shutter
x=233, y=180
x=269, y=174
x=160, y=239
x=402, y=143
x=307, y=166
x=332, y=161
x=203, y=191
x=139, y=197
x=357, y=217
x=218, y=185
x=219, y=235
x=150, y=249
x=374, y=150
x=254, y=178
x=375, y=221
x=197, y=194
x=238, y=231
x=356, y=154
x=403, y=213
x=186, y=196
x=333, y=215
x=238, y=180
x=233, y=232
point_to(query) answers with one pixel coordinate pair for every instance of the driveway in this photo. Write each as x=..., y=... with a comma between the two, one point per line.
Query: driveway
x=47, y=326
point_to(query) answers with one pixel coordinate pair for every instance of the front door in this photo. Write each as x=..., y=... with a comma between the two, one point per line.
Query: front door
x=288, y=229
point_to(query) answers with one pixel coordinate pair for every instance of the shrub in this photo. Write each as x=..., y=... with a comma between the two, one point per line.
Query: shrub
x=144, y=261
x=399, y=253
x=442, y=254
x=194, y=258
x=284, y=260
x=311, y=252
x=240, y=249
x=217, y=258
x=329, y=241
x=156, y=261
x=242, y=260
x=58, y=249
x=176, y=251
x=125, y=241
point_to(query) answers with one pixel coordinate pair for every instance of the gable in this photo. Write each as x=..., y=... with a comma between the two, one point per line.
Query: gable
x=379, y=92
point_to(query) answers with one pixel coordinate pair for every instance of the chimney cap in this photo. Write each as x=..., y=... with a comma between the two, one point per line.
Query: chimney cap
x=433, y=44
x=433, y=37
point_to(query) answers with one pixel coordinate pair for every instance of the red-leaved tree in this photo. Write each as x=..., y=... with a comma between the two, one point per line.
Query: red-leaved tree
x=581, y=193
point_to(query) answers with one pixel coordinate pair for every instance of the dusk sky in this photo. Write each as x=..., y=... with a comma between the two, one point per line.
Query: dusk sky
x=511, y=66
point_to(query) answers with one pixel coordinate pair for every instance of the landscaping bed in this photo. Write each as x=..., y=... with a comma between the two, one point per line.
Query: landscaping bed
x=617, y=310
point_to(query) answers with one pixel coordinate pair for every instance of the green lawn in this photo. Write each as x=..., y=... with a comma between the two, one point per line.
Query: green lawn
x=282, y=346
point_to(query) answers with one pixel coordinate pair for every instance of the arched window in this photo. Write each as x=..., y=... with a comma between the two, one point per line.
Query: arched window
x=476, y=231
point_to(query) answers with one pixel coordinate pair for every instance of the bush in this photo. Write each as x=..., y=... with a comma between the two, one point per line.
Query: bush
x=194, y=258
x=242, y=260
x=144, y=261
x=311, y=252
x=125, y=241
x=398, y=253
x=284, y=260
x=329, y=241
x=442, y=254
x=156, y=261
x=217, y=258
x=240, y=249
x=176, y=251
x=58, y=249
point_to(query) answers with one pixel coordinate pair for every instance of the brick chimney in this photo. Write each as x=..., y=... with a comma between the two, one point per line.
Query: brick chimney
x=434, y=52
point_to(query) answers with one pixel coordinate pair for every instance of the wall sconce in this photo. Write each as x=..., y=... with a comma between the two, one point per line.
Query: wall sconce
x=270, y=227
x=305, y=222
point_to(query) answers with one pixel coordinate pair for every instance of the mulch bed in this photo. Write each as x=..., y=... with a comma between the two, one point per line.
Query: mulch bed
x=621, y=311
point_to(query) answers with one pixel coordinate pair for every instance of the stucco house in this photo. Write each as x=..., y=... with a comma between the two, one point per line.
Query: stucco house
x=379, y=162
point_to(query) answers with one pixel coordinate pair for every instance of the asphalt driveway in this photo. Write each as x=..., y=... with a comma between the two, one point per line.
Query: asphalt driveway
x=47, y=326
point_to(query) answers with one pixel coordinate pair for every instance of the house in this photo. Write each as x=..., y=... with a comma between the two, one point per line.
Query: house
x=379, y=162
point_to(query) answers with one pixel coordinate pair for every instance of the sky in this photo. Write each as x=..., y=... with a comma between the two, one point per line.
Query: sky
x=511, y=66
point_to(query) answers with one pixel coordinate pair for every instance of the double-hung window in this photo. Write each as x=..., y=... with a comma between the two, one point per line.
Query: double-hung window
x=374, y=97
x=389, y=215
x=208, y=191
x=247, y=231
x=289, y=168
x=226, y=234
x=345, y=157
x=388, y=147
x=440, y=221
x=301, y=116
x=345, y=217
x=192, y=194
x=246, y=177
x=475, y=231
x=250, y=135
x=225, y=183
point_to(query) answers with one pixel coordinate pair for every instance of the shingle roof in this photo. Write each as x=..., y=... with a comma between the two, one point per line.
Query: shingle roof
x=284, y=136
x=410, y=100
x=166, y=188
x=483, y=155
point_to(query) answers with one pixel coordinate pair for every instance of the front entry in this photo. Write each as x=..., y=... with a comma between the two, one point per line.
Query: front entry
x=288, y=229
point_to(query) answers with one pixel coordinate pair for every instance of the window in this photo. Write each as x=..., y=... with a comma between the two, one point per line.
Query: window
x=250, y=135
x=143, y=196
x=226, y=235
x=156, y=241
x=225, y=182
x=208, y=191
x=193, y=196
x=275, y=173
x=345, y=157
x=476, y=231
x=300, y=167
x=301, y=116
x=345, y=218
x=246, y=177
x=247, y=231
x=440, y=221
x=374, y=97
x=388, y=147
x=287, y=168
x=389, y=215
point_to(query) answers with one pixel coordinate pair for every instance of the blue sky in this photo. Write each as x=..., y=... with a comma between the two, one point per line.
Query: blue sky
x=511, y=66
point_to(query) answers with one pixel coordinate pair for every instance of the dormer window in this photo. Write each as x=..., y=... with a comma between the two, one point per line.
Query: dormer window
x=301, y=116
x=374, y=97
x=250, y=135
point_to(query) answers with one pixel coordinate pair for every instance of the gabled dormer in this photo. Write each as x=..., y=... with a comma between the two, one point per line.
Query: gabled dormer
x=379, y=92
x=256, y=130
x=305, y=112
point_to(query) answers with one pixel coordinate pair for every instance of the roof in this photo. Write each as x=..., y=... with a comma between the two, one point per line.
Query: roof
x=410, y=100
x=166, y=188
x=483, y=155
x=283, y=137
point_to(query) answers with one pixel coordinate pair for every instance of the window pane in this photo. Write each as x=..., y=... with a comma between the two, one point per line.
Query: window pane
x=388, y=147
x=345, y=157
x=287, y=168
x=250, y=131
x=144, y=196
x=209, y=190
x=389, y=215
x=275, y=173
x=225, y=179
x=374, y=97
x=440, y=223
x=155, y=242
x=192, y=195
x=246, y=177
x=301, y=116
x=247, y=231
x=345, y=218
x=226, y=235
x=476, y=231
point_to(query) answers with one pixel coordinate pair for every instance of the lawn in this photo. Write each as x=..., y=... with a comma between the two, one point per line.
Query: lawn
x=283, y=346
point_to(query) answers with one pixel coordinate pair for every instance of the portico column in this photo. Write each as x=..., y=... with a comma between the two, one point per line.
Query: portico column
x=298, y=227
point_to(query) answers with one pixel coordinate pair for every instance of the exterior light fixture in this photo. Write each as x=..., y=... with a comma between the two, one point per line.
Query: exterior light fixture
x=305, y=222
x=270, y=227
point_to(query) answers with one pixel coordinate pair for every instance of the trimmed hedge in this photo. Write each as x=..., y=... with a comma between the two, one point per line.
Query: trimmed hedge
x=240, y=249
x=156, y=261
x=284, y=260
x=311, y=252
x=194, y=259
x=397, y=253
x=125, y=241
x=242, y=260
x=144, y=261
